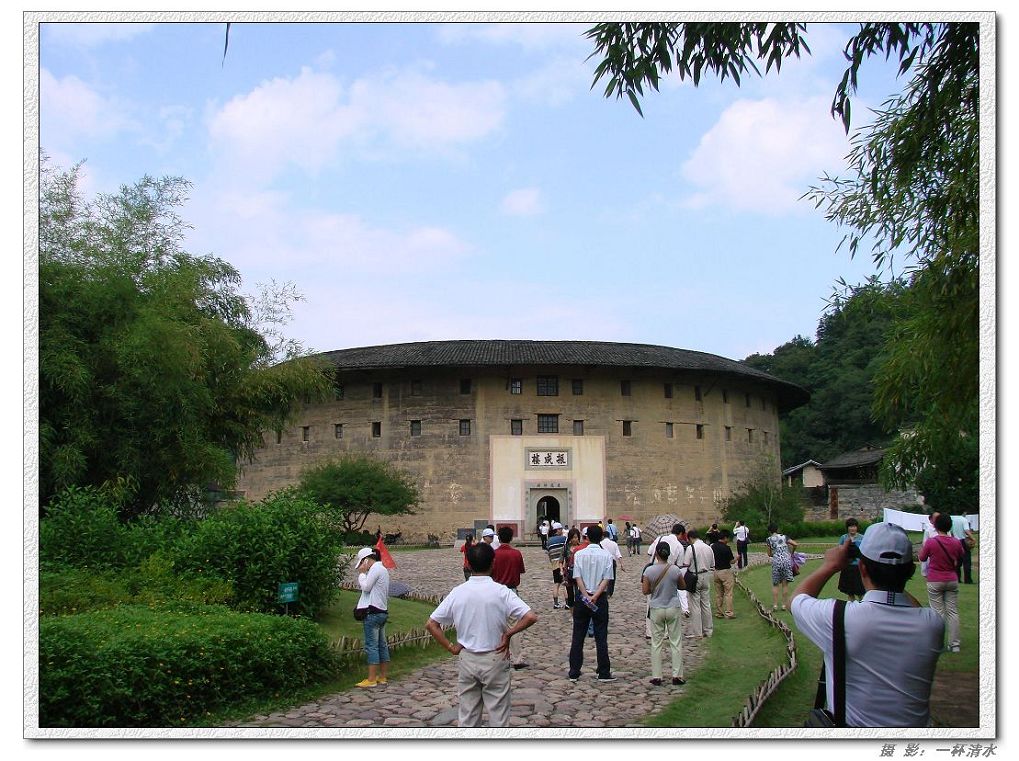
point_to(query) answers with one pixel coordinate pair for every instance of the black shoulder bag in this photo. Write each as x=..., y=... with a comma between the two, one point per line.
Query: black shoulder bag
x=690, y=578
x=819, y=716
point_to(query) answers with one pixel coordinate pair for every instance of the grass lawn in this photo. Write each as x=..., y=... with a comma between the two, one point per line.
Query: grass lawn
x=732, y=669
x=338, y=621
x=788, y=707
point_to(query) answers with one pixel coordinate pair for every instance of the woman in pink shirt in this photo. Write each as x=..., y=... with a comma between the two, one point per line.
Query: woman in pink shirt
x=944, y=553
x=466, y=546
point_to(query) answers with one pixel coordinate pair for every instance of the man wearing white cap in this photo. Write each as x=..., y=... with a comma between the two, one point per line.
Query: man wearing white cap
x=489, y=536
x=891, y=642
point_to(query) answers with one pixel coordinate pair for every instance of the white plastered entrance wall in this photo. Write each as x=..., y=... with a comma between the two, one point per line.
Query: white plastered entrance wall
x=518, y=483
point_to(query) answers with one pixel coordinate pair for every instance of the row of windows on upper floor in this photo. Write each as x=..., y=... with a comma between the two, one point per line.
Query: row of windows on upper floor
x=545, y=424
x=548, y=385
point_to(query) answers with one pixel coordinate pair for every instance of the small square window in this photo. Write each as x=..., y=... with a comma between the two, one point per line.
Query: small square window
x=668, y=430
x=627, y=427
x=415, y=427
x=725, y=396
x=376, y=429
x=338, y=430
x=516, y=386
x=668, y=390
x=376, y=391
x=279, y=437
x=624, y=387
x=578, y=427
x=578, y=386
x=465, y=385
x=750, y=435
x=697, y=394
x=700, y=431
x=728, y=433
x=415, y=388
x=465, y=427
x=517, y=427
x=306, y=433
x=548, y=424
x=548, y=385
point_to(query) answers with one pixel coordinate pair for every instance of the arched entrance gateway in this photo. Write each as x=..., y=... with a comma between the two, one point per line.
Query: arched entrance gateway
x=548, y=509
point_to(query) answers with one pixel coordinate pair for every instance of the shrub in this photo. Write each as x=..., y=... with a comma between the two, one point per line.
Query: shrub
x=137, y=667
x=64, y=591
x=257, y=546
x=359, y=539
x=81, y=528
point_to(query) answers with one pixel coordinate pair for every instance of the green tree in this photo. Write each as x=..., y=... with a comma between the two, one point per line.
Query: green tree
x=839, y=370
x=354, y=487
x=154, y=370
x=912, y=192
x=762, y=499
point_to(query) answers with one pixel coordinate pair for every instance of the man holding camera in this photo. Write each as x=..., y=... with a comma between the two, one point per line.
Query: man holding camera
x=892, y=643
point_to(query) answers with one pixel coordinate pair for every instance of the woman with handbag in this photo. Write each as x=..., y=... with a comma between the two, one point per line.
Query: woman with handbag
x=944, y=553
x=373, y=609
x=780, y=548
x=661, y=581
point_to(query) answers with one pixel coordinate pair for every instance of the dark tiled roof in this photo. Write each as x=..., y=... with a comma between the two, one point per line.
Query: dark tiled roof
x=855, y=459
x=795, y=468
x=519, y=353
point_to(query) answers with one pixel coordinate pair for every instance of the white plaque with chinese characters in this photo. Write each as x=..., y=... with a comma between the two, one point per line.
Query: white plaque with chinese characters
x=548, y=458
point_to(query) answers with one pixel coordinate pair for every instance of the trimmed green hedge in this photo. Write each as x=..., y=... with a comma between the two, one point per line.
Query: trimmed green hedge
x=137, y=667
x=66, y=591
x=796, y=529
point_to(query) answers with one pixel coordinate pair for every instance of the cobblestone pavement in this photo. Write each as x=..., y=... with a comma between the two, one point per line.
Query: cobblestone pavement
x=543, y=696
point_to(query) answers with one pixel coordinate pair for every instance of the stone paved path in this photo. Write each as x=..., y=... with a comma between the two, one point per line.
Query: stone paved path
x=543, y=696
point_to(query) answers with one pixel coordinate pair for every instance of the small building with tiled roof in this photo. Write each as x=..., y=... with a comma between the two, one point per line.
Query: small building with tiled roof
x=854, y=489
x=507, y=432
x=807, y=474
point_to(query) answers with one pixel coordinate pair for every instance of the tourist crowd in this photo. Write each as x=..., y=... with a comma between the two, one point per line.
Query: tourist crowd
x=879, y=652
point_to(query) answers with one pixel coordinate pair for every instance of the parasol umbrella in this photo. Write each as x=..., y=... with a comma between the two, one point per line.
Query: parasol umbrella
x=660, y=524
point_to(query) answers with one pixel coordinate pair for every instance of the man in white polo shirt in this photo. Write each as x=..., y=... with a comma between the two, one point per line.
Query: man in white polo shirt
x=892, y=643
x=592, y=570
x=479, y=609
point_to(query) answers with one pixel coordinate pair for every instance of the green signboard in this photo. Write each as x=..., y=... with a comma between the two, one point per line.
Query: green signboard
x=287, y=592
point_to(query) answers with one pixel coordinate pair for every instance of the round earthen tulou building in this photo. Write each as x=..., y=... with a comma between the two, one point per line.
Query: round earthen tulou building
x=505, y=432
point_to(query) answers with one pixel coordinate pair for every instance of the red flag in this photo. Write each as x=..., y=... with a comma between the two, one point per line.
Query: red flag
x=387, y=559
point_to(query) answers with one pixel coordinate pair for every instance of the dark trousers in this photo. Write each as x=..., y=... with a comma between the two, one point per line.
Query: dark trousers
x=544, y=541
x=741, y=554
x=965, y=569
x=571, y=591
x=582, y=617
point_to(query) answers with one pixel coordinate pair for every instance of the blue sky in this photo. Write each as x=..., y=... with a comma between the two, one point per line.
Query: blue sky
x=422, y=181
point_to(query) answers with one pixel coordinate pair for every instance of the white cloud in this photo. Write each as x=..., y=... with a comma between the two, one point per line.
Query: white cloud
x=762, y=155
x=260, y=231
x=70, y=108
x=556, y=82
x=523, y=202
x=93, y=34
x=307, y=120
x=530, y=36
